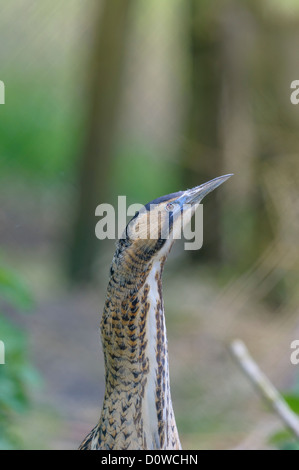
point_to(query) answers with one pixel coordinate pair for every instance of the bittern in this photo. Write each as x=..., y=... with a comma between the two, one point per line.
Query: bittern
x=137, y=411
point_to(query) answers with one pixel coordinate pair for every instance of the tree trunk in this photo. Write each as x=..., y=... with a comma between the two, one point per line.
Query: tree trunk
x=238, y=135
x=203, y=157
x=103, y=96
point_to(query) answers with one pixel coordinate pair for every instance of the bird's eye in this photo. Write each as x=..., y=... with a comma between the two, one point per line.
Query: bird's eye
x=170, y=207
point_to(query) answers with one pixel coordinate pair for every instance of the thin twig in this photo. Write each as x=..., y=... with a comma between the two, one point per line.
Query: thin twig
x=264, y=386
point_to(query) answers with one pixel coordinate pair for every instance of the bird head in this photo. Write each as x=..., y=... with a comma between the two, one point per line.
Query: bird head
x=155, y=227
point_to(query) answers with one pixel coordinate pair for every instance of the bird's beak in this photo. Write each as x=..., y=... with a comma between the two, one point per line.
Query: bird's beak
x=195, y=195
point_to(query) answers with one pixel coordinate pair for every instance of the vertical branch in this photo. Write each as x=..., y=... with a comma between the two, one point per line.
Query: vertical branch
x=103, y=96
x=203, y=157
x=237, y=132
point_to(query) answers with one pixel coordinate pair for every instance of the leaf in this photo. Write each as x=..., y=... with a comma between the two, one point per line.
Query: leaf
x=12, y=336
x=293, y=401
x=14, y=291
x=290, y=446
x=281, y=437
x=284, y=440
x=16, y=376
x=5, y=443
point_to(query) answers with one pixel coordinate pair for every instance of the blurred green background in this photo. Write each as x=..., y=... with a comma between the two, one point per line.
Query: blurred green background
x=143, y=98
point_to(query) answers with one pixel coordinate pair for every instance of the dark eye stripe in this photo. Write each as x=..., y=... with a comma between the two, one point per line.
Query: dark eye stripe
x=168, y=197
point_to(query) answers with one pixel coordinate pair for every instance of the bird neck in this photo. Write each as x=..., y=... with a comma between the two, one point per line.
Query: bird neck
x=137, y=410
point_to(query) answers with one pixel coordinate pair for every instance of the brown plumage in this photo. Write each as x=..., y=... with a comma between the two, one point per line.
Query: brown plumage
x=137, y=411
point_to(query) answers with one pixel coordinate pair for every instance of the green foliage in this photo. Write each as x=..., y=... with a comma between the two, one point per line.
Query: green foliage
x=39, y=135
x=13, y=290
x=292, y=400
x=17, y=375
x=284, y=440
